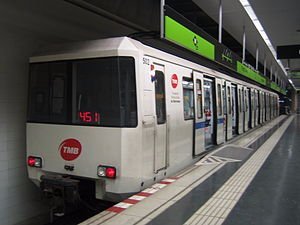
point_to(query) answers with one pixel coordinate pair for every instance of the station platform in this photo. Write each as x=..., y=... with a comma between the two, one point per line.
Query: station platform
x=250, y=180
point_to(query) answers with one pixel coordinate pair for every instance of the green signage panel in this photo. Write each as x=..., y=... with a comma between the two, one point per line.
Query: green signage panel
x=275, y=87
x=183, y=36
x=251, y=74
x=194, y=39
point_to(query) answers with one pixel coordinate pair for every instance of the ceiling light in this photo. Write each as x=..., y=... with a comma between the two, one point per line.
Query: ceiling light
x=257, y=24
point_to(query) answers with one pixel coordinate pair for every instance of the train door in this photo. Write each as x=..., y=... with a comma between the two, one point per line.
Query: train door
x=199, y=126
x=240, y=109
x=208, y=112
x=246, y=109
x=234, y=109
x=160, y=139
x=229, y=111
x=252, y=107
x=220, y=114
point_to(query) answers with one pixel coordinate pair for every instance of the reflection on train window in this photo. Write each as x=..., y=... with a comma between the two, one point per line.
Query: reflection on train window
x=199, y=99
x=188, y=98
x=58, y=84
x=160, y=100
x=219, y=100
x=47, y=95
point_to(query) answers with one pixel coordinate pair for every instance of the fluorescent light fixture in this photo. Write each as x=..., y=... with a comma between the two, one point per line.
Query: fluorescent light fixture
x=259, y=27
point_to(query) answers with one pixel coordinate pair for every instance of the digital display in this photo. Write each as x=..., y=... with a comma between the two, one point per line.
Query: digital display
x=89, y=117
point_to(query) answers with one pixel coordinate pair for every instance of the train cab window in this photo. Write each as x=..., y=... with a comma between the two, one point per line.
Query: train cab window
x=219, y=100
x=160, y=98
x=188, y=98
x=199, y=99
x=95, y=92
x=105, y=92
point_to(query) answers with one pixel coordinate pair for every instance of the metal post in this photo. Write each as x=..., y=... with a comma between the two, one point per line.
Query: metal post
x=162, y=18
x=244, y=44
x=271, y=72
x=220, y=21
x=257, y=52
x=265, y=66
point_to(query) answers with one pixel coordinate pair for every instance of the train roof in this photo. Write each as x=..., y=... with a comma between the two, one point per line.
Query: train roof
x=86, y=49
x=101, y=48
x=127, y=46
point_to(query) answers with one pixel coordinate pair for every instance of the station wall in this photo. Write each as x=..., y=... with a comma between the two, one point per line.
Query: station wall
x=19, y=198
x=25, y=26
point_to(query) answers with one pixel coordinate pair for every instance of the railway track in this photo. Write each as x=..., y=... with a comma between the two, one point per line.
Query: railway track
x=80, y=213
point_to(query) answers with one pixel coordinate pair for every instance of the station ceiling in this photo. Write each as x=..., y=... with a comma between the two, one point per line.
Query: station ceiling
x=280, y=20
x=56, y=21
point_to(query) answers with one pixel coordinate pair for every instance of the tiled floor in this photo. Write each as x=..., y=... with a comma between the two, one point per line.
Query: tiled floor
x=273, y=198
x=215, y=199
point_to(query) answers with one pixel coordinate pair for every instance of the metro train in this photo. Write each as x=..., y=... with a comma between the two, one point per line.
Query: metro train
x=117, y=116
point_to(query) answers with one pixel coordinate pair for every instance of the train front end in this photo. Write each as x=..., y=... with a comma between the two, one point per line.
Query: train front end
x=82, y=121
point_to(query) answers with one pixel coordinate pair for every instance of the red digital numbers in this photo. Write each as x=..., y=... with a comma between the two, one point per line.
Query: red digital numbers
x=89, y=117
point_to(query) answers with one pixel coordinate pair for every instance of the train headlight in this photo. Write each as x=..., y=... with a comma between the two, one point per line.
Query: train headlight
x=34, y=161
x=107, y=171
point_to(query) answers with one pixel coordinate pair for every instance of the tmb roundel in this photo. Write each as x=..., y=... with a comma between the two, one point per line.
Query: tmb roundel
x=174, y=80
x=70, y=149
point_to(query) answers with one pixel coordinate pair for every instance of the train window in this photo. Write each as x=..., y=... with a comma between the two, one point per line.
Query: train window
x=229, y=100
x=105, y=92
x=199, y=100
x=160, y=98
x=188, y=98
x=98, y=92
x=219, y=101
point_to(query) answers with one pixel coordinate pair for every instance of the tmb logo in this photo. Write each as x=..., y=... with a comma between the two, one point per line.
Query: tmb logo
x=70, y=149
x=174, y=80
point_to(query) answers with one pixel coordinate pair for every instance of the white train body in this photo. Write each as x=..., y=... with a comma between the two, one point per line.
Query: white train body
x=153, y=142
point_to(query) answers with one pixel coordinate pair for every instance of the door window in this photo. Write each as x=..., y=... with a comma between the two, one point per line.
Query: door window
x=160, y=97
x=199, y=99
x=219, y=100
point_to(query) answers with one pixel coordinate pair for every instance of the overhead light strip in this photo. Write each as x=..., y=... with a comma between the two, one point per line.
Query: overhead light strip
x=261, y=30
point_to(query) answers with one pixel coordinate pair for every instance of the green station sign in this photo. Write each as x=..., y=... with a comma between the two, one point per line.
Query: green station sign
x=197, y=41
x=251, y=74
x=179, y=34
x=275, y=87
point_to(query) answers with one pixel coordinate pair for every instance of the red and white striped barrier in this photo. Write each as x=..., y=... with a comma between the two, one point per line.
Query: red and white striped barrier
x=121, y=206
